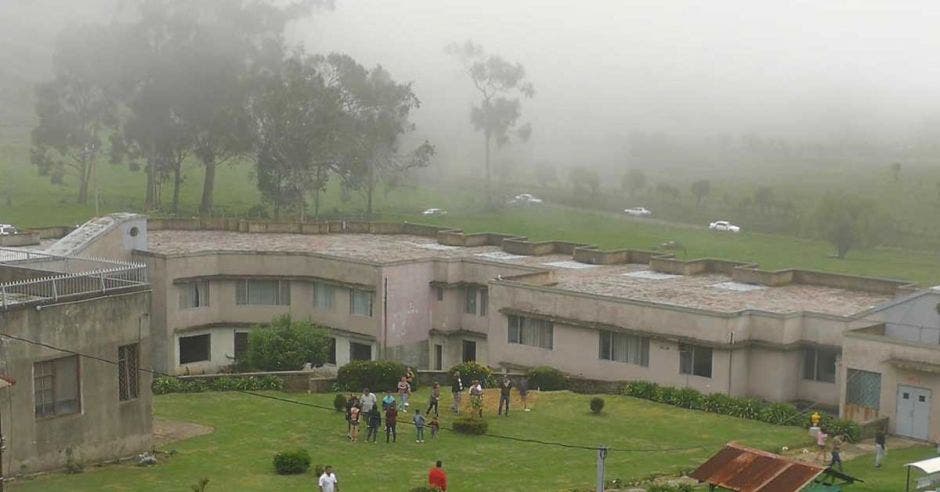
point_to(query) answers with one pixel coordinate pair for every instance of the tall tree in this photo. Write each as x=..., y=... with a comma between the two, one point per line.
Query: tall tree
x=379, y=110
x=634, y=180
x=75, y=108
x=499, y=84
x=701, y=189
x=848, y=222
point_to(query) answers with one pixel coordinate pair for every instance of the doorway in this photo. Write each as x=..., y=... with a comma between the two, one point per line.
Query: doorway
x=913, y=417
x=469, y=351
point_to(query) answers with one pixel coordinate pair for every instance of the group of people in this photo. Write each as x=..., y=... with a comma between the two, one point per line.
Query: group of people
x=835, y=449
x=437, y=478
x=476, y=394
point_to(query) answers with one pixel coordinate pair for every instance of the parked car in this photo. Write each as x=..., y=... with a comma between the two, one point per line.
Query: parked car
x=434, y=212
x=723, y=225
x=638, y=212
x=7, y=230
x=525, y=199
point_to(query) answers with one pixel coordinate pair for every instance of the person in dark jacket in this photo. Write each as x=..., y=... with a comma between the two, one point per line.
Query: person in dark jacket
x=457, y=389
x=391, y=420
x=505, y=390
x=375, y=421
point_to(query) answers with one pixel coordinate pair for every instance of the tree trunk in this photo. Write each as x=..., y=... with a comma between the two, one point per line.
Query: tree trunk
x=489, y=195
x=208, y=185
x=177, y=182
x=316, y=194
x=151, y=186
x=83, y=184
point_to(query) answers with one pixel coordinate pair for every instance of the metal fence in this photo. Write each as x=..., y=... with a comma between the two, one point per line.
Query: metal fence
x=38, y=260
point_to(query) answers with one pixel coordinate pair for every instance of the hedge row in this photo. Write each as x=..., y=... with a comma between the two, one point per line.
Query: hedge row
x=746, y=408
x=377, y=375
x=169, y=384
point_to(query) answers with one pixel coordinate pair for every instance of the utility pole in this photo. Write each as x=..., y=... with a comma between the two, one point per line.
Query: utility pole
x=601, y=456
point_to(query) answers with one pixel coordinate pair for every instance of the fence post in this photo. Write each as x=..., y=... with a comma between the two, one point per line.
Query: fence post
x=601, y=456
x=55, y=292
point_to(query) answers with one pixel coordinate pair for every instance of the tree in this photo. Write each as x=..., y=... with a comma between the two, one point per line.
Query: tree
x=286, y=345
x=584, y=180
x=75, y=108
x=668, y=190
x=546, y=174
x=700, y=189
x=378, y=110
x=896, y=171
x=764, y=198
x=848, y=222
x=633, y=181
x=499, y=84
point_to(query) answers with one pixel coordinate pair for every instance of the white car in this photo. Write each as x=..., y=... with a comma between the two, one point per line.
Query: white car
x=723, y=225
x=525, y=199
x=431, y=212
x=7, y=230
x=638, y=212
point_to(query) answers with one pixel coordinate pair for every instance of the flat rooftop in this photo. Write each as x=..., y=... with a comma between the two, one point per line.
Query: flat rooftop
x=711, y=291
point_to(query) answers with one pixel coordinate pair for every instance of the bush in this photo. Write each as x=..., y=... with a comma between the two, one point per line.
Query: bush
x=547, y=379
x=168, y=384
x=780, y=414
x=292, y=462
x=688, y=398
x=682, y=487
x=640, y=389
x=597, y=404
x=472, y=370
x=286, y=345
x=377, y=375
x=424, y=488
x=839, y=427
x=339, y=402
x=470, y=425
x=718, y=403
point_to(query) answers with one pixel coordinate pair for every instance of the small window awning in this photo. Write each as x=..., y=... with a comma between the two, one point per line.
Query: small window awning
x=929, y=466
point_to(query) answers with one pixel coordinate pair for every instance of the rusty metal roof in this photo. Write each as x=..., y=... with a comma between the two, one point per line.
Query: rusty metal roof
x=743, y=469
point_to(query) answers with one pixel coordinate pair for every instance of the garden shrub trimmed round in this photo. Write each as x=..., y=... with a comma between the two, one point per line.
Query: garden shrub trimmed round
x=339, y=402
x=377, y=375
x=473, y=426
x=472, y=370
x=597, y=405
x=292, y=462
x=547, y=378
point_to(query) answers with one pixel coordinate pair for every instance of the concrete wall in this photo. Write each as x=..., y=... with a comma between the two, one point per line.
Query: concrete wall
x=105, y=428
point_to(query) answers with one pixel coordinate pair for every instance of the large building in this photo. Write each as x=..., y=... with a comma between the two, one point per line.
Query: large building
x=73, y=334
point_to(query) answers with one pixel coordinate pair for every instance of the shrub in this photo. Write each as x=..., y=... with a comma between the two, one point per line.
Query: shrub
x=339, y=402
x=377, y=375
x=640, y=389
x=169, y=384
x=746, y=408
x=780, y=414
x=472, y=370
x=840, y=427
x=718, y=403
x=470, y=425
x=547, y=379
x=286, y=345
x=688, y=398
x=292, y=462
x=665, y=487
x=597, y=404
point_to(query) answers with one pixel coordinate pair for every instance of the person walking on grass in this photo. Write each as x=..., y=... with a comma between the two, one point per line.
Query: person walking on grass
x=404, y=391
x=375, y=421
x=880, y=449
x=836, y=453
x=391, y=420
x=435, y=426
x=435, y=400
x=354, y=413
x=523, y=393
x=505, y=390
x=476, y=396
x=821, y=445
x=418, y=420
x=327, y=481
x=456, y=388
x=367, y=401
x=437, y=478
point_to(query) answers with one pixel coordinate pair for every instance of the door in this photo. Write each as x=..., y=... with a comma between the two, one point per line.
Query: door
x=438, y=357
x=913, y=415
x=469, y=351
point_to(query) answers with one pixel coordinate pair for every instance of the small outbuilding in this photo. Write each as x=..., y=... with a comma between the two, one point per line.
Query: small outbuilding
x=930, y=468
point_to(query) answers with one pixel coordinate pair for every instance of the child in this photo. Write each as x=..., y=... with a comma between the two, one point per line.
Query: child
x=354, y=422
x=821, y=445
x=418, y=419
x=350, y=403
x=435, y=426
x=391, y=419
x=375, y=420
x=476, y=396
x=388, y=401
x=836, y=453
x=404, y=391
x=435, y=399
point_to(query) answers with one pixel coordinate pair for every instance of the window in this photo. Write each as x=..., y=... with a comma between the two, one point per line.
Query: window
x=194, y=349
x=128, y=363
x=360, y=303
x=331, y=355
x=819, y=364
x=438, y=357
x=323, y=296
x=471, y=305
x=360, y=351
x=56, y=387
x=440, y=293
x=241, y=345
x=528, y=331
x=695, y=360
x=621, y=347
x=863, y=388
x=262, y=292
x=484, y=300
x=194, y=294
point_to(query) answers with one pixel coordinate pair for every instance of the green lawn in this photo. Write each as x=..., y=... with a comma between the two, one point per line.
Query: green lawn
x=890, y=477
x=249, y=430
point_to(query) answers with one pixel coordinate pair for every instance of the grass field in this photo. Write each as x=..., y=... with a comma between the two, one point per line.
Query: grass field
x=249, y=430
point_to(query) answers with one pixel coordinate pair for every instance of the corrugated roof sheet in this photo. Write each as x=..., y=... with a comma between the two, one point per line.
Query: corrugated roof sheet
x=744, y=469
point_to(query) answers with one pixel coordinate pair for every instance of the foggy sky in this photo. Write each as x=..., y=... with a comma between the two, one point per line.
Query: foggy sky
x=604, y=69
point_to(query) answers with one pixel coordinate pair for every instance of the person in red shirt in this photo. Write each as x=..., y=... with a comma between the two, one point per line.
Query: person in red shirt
x=437, y=479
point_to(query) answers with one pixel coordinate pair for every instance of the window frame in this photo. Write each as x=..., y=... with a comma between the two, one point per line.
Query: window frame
x=484, y=300
x=128, y=372
x=439, y=292
x=352, y=304
x=524, y=327
x=814, y=354
x=470, y=300
x=352, y=344
x=243, y=292
x=179, y=347
x=612, y=339
x=200, y=296
x=691, y=364
x=318, y=296
x=51, y=379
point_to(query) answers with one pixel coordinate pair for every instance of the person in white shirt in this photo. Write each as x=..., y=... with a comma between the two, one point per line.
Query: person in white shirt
x=367, y=400
x=328, y=482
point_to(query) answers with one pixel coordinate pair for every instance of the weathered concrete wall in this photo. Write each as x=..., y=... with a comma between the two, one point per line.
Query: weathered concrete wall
x=410, y=299
x=113, y=236
x=106, y=428
x=21, y=239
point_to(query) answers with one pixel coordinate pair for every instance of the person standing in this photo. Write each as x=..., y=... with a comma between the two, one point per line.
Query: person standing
x=411, y=378
x=435, y=399
x=367, y=401
x=880, y=449
x=836, y=453
x=821, y=445
x=350, y=403
x=505, y=390
x=328, y=482
x=418, y=420
x=404, y=391
x=435, y=425
x=476, y=396
x=457, y=389
x=354, y=414
x=375, y=420
x=391, y=420
x=523, y=393
x=388, y=401
x=437, y=478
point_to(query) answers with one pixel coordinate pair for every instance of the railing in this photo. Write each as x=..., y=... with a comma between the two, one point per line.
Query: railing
x=54, y=288
x=38, y=260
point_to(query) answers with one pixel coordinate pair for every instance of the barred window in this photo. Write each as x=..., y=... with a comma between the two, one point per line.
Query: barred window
x=360, y=302
x=195, y=348
x=56, y=387
x=621, y=347
x=863, y=388
x=820, y=364
x=323, y=296
x=695, y=360
x=260, y=292
x=194, y=294
x=240, y=345
x=128, y=380
x=534, y=332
